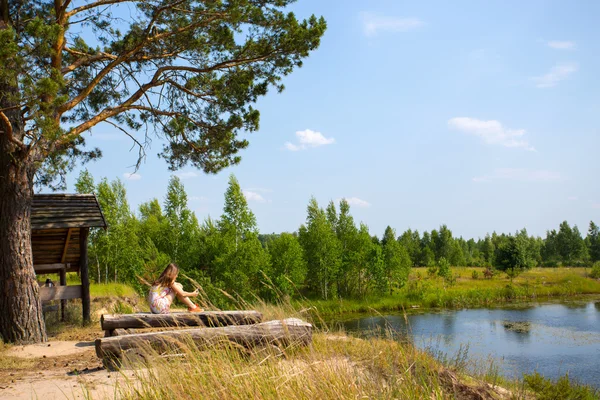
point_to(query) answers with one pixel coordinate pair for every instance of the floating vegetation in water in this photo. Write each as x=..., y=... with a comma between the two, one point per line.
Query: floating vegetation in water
x=517, y=326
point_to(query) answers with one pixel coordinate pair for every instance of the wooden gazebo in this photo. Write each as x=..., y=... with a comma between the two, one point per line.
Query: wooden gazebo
x=60, y=225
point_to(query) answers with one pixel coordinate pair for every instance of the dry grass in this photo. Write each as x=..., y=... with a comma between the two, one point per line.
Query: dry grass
x=333, y=367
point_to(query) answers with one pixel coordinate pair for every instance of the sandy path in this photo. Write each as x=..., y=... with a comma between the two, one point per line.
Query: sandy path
x=59, y=370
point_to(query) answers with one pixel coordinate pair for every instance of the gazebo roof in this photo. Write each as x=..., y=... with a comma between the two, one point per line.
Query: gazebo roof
x=60, y=211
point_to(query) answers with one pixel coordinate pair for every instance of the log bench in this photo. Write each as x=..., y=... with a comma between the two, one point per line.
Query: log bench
x=280, y=333
x=120, y=324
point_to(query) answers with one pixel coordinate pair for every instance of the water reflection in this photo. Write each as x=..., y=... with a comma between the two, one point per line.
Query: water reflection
x=552, y=339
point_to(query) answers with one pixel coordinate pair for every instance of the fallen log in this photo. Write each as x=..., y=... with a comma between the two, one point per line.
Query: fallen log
x=291, y=331
x=111, y=322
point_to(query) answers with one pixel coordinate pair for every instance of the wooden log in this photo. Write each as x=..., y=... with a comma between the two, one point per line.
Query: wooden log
x=280, y=333
x=181, y=319
x=119, y=332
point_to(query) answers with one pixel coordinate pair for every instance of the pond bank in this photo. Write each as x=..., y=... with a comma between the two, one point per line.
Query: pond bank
x=429, y=293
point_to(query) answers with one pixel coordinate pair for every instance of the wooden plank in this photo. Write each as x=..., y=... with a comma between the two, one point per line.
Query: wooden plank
x=70, y=224
x=50, y=267
x=60, y=292
x=280, y=333
x=51, y=232
x=181, y=319
x=66, y=248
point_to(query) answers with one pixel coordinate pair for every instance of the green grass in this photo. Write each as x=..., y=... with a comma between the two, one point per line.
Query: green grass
x=112, y=290
x=423, y=292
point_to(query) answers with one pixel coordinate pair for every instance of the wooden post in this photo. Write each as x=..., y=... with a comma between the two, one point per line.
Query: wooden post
x=85, y=279
x=63, y=303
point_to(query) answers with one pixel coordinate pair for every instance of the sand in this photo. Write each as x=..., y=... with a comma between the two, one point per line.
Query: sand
x=59, y=370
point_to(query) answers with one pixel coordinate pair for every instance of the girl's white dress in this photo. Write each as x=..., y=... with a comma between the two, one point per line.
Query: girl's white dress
x=160, y=299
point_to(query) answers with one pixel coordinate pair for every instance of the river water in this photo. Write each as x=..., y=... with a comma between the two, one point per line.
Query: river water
x=555, y=339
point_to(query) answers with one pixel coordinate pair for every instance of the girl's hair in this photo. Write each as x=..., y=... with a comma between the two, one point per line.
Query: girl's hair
x=168, y=276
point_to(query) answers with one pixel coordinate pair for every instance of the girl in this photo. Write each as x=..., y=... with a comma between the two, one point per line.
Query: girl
x=165, y=289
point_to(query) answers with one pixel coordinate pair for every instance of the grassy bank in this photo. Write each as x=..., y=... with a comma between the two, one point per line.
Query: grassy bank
x=335, y=366
x=424, y=292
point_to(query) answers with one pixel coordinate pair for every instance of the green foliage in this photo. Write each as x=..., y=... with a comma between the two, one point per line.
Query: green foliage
x=210, y=64
x=330, y=258
x=180, y=227
x=450, y=279
x=566, y=246
x=236, y=259
x=396, y=261
x=432, y=271
x=322, y=249
x=288, y=267
x=116, y=251
x=563, y=388
x=593, y=242
x=595, y=272
x=513, y=256
x=444, y=268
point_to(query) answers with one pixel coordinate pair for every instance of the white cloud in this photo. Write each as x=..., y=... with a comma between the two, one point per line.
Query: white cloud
x=198, y=198
x=572, y=198
x=558, y=73
x=187, y=174
x=132, y=176
x=596, y=205
x=308, y=139
x=253, y=196
x=373, y=23
x=355, y=201
x=492, y=132
x=520, y=175
x=561, y=44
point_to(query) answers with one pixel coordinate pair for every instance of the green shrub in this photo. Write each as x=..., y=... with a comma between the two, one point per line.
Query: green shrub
x=450, y=279
x=415, y=291
x=563, y=388
x=432, y=270
x=475, y=274
x=444, y=268
x=595, y=273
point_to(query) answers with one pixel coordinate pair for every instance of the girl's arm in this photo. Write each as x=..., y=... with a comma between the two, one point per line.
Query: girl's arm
x=178, y=289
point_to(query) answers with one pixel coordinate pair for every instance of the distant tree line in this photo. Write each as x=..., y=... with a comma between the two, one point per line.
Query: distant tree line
x=330, y=256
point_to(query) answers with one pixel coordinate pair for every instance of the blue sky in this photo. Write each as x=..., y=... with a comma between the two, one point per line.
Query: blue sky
x=479, y=115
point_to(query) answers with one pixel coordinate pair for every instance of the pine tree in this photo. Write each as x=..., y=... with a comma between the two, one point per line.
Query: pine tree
x=593, y=242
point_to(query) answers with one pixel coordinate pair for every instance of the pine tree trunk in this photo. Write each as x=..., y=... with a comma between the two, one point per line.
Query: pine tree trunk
x=21, y=319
